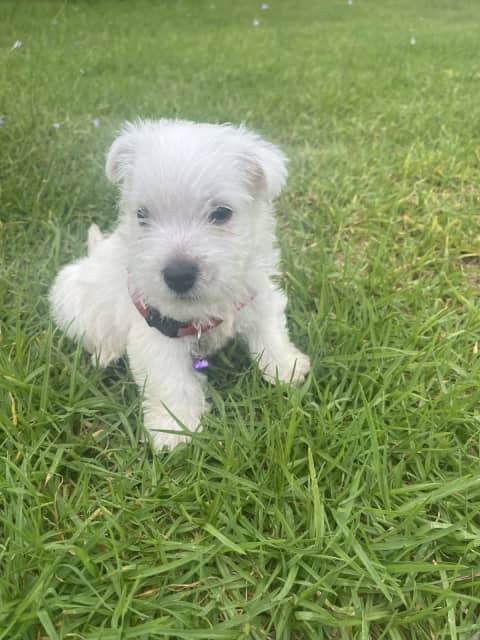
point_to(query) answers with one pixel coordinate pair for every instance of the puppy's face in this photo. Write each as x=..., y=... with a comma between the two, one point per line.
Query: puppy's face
x=195, y=205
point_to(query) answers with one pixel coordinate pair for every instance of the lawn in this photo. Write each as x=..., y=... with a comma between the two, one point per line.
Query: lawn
x=347, y=508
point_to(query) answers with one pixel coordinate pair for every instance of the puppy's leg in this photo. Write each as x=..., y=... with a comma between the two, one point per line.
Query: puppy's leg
x=267, y=337
x=90, y=299
x=173, y=390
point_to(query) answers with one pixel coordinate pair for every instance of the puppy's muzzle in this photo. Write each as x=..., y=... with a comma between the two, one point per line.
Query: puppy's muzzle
x=180, y=275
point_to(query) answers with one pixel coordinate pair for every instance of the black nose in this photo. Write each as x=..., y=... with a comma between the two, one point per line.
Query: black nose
x=180, y=275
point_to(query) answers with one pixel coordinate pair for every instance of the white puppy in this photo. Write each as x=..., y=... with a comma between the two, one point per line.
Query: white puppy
x=188, y=266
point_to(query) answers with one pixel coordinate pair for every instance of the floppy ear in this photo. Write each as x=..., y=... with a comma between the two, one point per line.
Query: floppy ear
x=268, y=166
x=121, y=154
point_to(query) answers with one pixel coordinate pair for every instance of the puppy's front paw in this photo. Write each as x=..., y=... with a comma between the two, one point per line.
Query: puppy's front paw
x=165, y=432
x=292, y=368
x=161, y=439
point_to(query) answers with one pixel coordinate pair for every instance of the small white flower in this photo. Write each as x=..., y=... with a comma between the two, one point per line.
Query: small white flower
x=412, y=40
x=2, y=121
x=56, y=125
x=96, y=122
x=256, y=22
x=350, y=2
x=264, y=6
x=17, y=44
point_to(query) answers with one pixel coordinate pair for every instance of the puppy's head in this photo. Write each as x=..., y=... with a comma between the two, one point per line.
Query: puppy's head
x=195, y=210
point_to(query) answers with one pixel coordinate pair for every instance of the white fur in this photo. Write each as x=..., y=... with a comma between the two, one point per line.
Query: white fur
x=180, y=171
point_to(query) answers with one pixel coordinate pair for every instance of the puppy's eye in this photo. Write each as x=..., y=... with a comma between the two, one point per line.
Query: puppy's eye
x=142, y=216
x=220, y=215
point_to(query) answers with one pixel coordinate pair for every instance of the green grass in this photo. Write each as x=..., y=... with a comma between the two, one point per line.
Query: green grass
x=348, y=508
